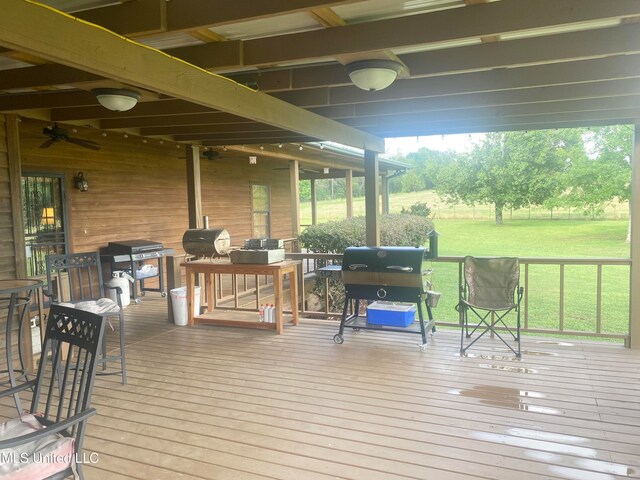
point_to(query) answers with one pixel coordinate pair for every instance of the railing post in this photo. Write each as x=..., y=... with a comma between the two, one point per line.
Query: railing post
x=634, y=227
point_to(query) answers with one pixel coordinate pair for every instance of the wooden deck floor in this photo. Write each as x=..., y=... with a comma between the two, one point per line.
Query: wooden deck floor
x=229, y=403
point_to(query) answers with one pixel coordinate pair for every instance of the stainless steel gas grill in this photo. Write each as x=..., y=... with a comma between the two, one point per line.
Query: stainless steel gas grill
x=133, y=257
x=386, y=275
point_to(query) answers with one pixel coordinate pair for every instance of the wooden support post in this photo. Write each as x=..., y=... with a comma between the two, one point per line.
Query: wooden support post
x=15, y=173
x=634, y=219
x=294, y=171
x=384, y=190
x=194, y=191
x=348, y=189
x=371, y=194
x=314, y=203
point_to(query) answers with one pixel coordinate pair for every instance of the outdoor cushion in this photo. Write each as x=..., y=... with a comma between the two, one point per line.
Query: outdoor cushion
x=100, y=306
x=38, y=459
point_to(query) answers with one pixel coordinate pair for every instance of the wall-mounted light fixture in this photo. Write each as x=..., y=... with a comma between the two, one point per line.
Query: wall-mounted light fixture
x=48, y=216
x=253, y=160
x=116, y=99
x=325, y=170
x=81, y=182
x=372, y=75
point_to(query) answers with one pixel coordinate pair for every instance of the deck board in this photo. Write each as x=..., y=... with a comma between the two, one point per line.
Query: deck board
x=214, y=402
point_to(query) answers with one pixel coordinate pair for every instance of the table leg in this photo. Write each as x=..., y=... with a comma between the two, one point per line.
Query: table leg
x=191, y=284
x=210, y=293
x=13, y=301
x=277, y=290
x=293, y=288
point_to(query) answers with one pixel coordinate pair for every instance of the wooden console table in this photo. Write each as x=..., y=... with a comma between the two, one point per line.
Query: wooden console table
x=209, y=269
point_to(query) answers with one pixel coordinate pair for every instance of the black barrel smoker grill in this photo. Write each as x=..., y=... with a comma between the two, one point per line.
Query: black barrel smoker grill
x=393, y=274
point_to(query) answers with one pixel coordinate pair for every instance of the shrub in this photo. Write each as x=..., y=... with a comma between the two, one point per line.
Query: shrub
x=335, y=237
x=419, y=208
x=395, y=229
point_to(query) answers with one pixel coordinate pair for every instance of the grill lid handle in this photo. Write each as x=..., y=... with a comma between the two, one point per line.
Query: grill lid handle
x=355, y=266
x=399, y=267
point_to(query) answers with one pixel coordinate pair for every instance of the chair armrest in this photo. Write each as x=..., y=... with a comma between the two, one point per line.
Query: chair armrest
x=117, y=289
x=19, y=388
x=51, y=295
x=520, y=294
x=118, y=293
x=54, y=428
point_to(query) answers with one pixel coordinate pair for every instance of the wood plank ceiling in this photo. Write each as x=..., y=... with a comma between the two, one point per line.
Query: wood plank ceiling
x=469, y=66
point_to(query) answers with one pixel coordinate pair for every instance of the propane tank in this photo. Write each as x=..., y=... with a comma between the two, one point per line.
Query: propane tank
x=119, y=279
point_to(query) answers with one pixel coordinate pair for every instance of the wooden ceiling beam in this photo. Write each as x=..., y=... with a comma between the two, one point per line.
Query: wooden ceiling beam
x=446, y=25
x=43, y=76
x=585, y=91
x=163, y=107
x=210, y=128
x=145, y=17
x=558, y=48
x=251, y=139
x=429, y=28
x=594, y=70
x=27, y=101
x=520, y=122
x=142, y=17
x=550, y=108
x=257, y=137
x=191, y=14
x=37, y=30
x=219, y=118
x=527, y=51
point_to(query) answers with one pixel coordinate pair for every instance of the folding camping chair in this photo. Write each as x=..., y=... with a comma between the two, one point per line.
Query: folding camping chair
x=491, y=291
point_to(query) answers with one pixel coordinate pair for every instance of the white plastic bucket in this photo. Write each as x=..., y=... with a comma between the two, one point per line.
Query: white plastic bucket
x=179, y=303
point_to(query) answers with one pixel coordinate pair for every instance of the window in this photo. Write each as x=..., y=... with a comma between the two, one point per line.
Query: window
x=44, y=220
x=261, y=211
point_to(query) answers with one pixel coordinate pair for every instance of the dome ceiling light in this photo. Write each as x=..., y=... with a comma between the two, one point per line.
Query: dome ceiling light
x=372, y=75
x=116, y=99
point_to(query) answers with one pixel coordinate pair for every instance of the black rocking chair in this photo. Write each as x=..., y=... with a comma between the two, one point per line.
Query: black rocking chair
x=46, y=442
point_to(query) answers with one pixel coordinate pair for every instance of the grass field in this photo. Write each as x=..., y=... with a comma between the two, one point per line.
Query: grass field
x=537, y=237
x=336, y=209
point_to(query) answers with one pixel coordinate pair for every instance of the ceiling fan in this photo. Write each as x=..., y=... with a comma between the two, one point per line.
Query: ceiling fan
x=58, y=134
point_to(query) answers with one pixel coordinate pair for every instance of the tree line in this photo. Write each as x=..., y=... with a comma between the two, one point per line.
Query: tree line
x=584, y=169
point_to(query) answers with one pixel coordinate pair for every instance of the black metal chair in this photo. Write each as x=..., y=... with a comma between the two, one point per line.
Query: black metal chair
x=490, y=291
x=46, y=442
x=75, y=280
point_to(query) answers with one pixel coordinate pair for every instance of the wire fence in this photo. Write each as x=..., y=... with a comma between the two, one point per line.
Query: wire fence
x=336, y=209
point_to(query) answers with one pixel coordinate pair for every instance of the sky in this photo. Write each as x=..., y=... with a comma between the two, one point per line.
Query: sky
x=459, y=143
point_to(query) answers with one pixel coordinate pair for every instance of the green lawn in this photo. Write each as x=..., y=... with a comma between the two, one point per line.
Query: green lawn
x=539, y=237
x=545, y=238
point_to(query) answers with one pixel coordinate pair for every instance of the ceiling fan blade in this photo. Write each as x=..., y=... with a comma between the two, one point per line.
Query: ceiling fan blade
x=84, y=143
x=48, y=143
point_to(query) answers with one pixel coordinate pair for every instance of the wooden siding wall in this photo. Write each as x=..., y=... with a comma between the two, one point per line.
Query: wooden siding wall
x=7, y=255
x=138, y=190
x=226, y=195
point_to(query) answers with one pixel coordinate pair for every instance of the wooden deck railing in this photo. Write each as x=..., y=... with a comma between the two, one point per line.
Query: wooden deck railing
x=567, y=296
x=578, y=311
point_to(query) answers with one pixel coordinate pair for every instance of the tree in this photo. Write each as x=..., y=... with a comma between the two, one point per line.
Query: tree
x=600, y=175
x=510, y=169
